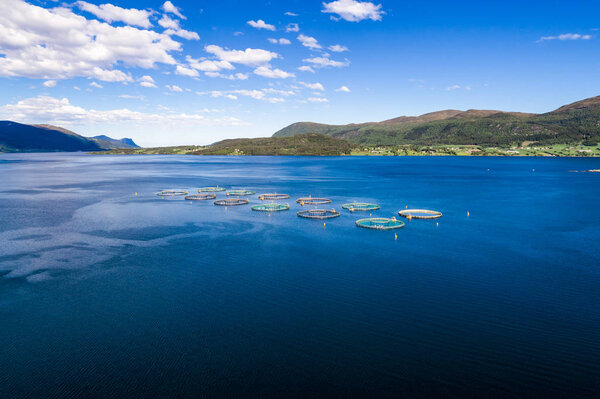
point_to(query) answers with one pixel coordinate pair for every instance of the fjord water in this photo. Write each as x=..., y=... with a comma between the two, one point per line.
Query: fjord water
x=107, y=293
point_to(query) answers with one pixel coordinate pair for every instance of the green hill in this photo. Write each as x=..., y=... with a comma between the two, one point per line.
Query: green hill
x=577, y=123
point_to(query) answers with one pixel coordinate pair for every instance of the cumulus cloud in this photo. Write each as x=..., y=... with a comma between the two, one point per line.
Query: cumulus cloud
x=343, y=89
x=260, y=24
x=209, y=65
x=292, y=28
x=170, y=8
x=250, y=56
x=313, y=86
x=272, y=73
x=290, y=14
x=353, y=11
x=309, y=42
x=61, y=112
x=112, y=13
x=338, y=48
x=174, y=88
x=322, y=62
x=318, y=100
x=185, y=71
x=147, y=81
x=255, y=94
x=566, y=36
x=236, y=76
x=50, y=83
x=453, y=87
x=306, y=68
x=279, y=41
x=58, y=44
x=168, y=22
x=96, y=85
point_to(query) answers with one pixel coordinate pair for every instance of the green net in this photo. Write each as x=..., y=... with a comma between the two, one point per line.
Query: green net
x=319, y=214
x=360, y=206
x=200, y=197
x=264, y=197
x=239, y=193
x=171, y=193
x=313, y=201
x=380, y=223
x=231, y=202
x=215, y=189
x=271, y=207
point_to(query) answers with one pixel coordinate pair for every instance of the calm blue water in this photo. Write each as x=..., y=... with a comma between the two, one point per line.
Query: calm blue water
x=104, y=293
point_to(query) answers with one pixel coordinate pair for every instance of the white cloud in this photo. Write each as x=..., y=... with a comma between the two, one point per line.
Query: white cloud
x=322, y=62
x=131, y=97
x=168, y=23
x=147, y=81
x=353, y=11
x=185, y=34
x=566, y=36
x=260, y=95
x=453, y=87
x=52, y=110
x=308, y=41
x=58, y=44
x=272, y=73
x=338, y=48
x=237, y=76
x=50, y=83
x=317, y=100
x=209, y=65
x=290, y=14
x=185, y=71
x=96, y=85
x=283, y=41
x=344, y=89
x=313, y=86
x=260, y=24
x=174, y=88
x=292, y=28
x=170, y=8
x=306, y=68
x=111, y=13
x=250, y=56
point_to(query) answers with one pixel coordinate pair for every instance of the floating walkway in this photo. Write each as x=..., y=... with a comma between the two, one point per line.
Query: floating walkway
x=240, y=193
x=420, y=214
x=313, y=201
x=215, y=189
x=231, y=202
x=380, y=223
x=172, y=193
x=271, y=207
x=264, y=197
x=200, y=197
x=319, y=214
x=360, y=206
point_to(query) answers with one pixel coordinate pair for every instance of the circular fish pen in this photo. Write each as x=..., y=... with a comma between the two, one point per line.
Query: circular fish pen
x=231, y=202
x=420, y=214
x=319, y=214
x=264, y=197
x=360, y=206
x=380, y=223
x=313, y=201
x=200, y=197
x=171, y=193
x=271, y=207
x=215, y=189
x=240, y=193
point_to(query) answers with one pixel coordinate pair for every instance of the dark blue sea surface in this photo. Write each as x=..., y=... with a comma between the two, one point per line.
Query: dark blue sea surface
x=107, y=293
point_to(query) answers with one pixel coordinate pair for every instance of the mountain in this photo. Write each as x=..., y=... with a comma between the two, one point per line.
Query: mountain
x=573, y=123
x=18, y=137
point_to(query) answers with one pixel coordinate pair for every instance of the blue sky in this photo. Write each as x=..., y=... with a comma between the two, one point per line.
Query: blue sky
x=194, y=72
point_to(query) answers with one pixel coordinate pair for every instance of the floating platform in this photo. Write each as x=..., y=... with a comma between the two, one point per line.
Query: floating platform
x=271, y=207
x=200, y=197
x=172, y=193
x=215, y=189
x=264, y=197
x=240, y=193
x=380, y=223
x=360, y=206
x=319, y=214
x=231, y=202
x=313, y=201
x=420, y=214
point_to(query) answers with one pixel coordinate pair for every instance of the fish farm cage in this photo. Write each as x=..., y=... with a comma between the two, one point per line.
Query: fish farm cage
x=319, y=214
x=215, y=189
x=231, y=202
x=171, y=193
x=240, y=193
x=200, y=197
x=271, y=207
x=360, y=206
x=264, y=197
x=380, y=223
x=313, y=201
x=420, y=214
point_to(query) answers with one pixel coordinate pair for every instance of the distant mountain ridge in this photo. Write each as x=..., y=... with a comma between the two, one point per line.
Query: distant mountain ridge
x=578, y=122
x=19, y=137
